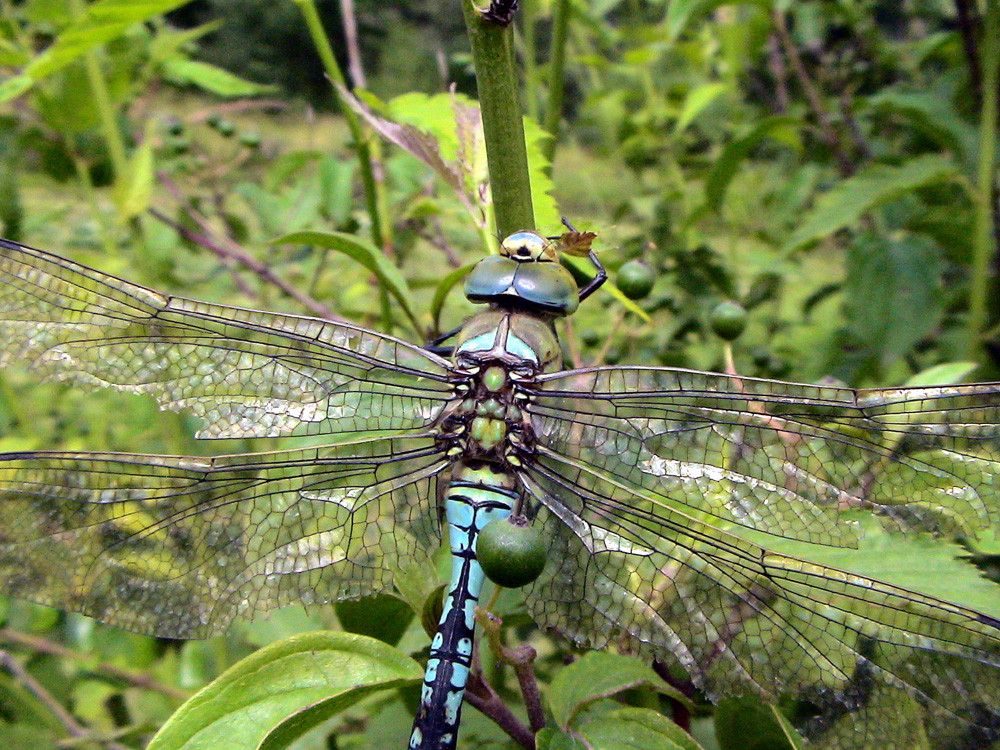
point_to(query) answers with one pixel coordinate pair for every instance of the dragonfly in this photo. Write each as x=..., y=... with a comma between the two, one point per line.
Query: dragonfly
x=685, y=513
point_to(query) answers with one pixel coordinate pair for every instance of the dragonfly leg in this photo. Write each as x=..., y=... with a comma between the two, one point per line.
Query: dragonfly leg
x=602, y=275
x=595, y=283
x=436, y=344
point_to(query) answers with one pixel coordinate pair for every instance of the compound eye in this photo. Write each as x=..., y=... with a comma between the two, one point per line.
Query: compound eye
x=527, y=246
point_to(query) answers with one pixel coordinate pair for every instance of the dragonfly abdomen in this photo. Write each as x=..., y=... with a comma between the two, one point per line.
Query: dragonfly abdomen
x=476, y=496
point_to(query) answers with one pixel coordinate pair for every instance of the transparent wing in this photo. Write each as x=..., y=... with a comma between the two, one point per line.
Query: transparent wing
x=875, y=662
x=178, y=546
x=246, y=373
x=783, y=458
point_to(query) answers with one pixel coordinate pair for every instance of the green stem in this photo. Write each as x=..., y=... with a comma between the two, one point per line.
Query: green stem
x=503, y=128
x=984, y=240
x=367, y=149
x=553, y=112
x=361, y=140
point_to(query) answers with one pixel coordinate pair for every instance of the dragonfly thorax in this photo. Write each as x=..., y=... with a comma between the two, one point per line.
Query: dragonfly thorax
x=499, y=352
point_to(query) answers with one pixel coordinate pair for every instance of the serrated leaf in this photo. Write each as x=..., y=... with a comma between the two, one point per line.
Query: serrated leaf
x=634, y=729
x=893, y=295
x=281, y=691
x=543, y=204
x=364, y=253
x=599, y=675
x=915, y=562
x=182, y=71
x=850, y=199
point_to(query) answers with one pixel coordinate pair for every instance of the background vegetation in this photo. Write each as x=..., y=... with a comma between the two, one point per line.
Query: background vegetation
x=829, y=164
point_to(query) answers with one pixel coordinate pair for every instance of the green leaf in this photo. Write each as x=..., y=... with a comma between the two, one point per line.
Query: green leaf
x=915, y=562
x=543, y=203
x=382, y=617
x=130, y=11
x=748, y=724
x=679, y=13
x=103, y=21
x=779, y=127
x=281, y=691
x=851, y=198
x=441, y=292
x=552, y=739
x=364, y=253
x=945, y=373
x=14, y=86
x=182, y=71
x=635, y=729
x=696, y=100
x=599, y=675
x=932, y=113
x=893, y=295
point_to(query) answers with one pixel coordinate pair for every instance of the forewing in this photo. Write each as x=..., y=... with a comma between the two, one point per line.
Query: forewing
x=633, y=573
x=783, y=458
x=178, y=546
x=245, y=373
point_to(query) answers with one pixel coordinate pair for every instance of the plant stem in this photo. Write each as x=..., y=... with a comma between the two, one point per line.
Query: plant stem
x=984, y=240
x=369, y=157
x=553, y=111
x=380, y=229
x=506, y=154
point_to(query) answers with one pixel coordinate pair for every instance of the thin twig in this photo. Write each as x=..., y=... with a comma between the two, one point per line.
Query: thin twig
x=46, y=646
x=354, y=69
x=228, y=250
x=521, y=658
x=64, y=717
x=485, y=699
x=812, y=93
x=847, y=112
x=776, y=64
x=192, y=236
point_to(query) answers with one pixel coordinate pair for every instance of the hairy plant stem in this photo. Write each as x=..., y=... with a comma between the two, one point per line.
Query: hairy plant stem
x=503, y=128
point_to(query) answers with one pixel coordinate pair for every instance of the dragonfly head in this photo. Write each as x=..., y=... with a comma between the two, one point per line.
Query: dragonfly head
x=526, y=276
x=525, y=247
